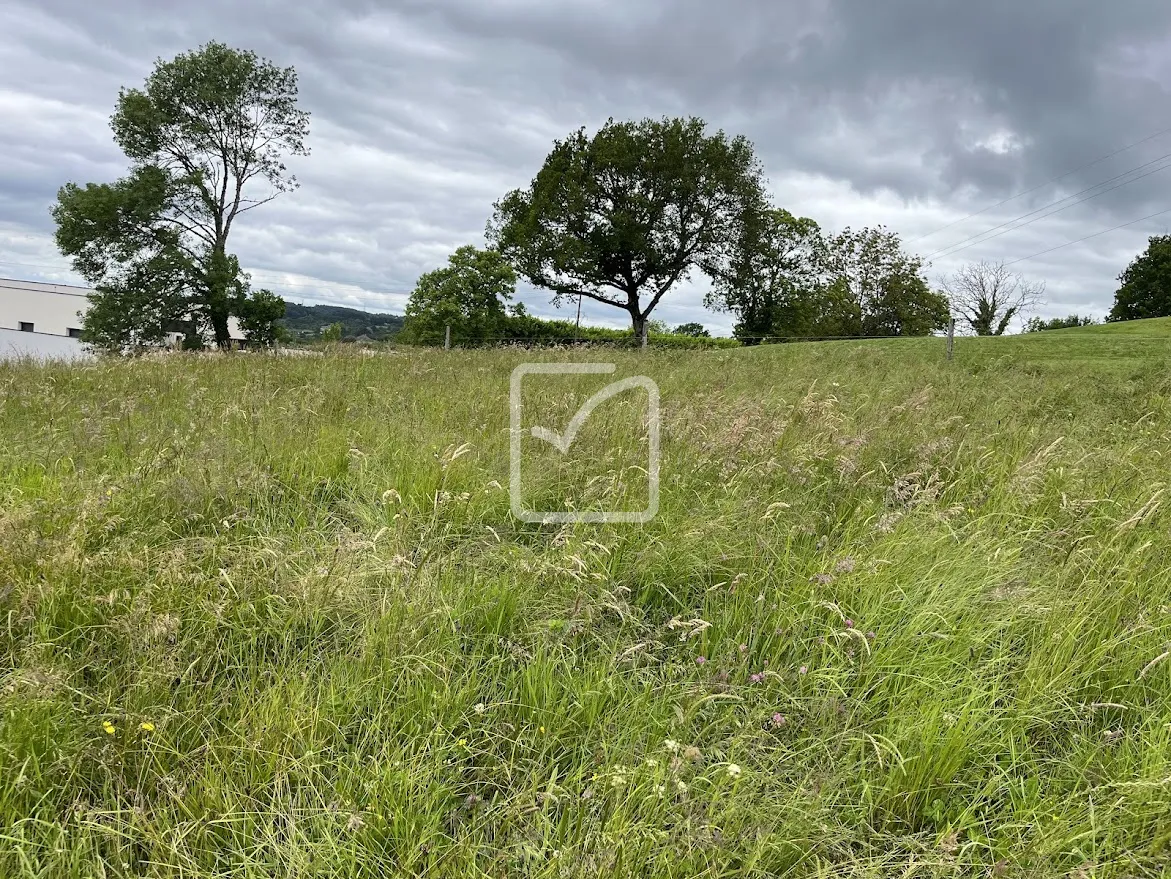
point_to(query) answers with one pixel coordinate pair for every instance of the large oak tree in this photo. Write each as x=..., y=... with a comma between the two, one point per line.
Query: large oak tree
x=623, y=216
x=206, y=138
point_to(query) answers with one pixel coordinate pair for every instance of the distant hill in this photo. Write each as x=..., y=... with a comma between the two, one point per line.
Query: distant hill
x=307, y=321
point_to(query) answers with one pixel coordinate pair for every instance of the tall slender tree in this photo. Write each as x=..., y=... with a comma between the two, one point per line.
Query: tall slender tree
x=206, y=137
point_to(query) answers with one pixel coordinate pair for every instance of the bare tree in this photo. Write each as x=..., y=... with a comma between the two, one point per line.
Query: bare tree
x=987, y=296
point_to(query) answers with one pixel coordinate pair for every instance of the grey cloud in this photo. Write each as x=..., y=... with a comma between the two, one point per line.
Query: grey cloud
x=912, y=113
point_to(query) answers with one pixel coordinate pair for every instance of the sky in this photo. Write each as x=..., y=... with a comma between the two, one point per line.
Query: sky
x=915, y=114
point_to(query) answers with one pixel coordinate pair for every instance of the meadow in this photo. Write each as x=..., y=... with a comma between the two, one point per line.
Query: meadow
x=896, y=616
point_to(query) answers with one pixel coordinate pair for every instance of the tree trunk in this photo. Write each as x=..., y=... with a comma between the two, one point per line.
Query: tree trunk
x=219, y=325
x=218, y=279
x=639, y=324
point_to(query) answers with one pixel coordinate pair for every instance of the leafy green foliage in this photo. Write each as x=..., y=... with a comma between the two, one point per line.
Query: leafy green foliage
x=469, y=295
x=1037, y=325
x=259, y=311
x=773, y=277
x=205, y=131
x=881, y=286
x=1146, y=284
x=697, y=330
x=623, y=216
x=784, y=279
x=332, y=333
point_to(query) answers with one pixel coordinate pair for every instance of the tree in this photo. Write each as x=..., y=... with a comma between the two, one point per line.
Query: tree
x=876, y=289
x=1037, y=325
x=469, y=295
x=695, y=330
x=207, y=130
x=623, y=216
x=772, y=277
x=987, y=296
x=1146, y=284
x=258, y=315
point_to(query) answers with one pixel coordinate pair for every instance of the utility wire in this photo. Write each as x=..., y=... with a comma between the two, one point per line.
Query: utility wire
x=1042, y=185
x=1088, y=237
x=964, y=244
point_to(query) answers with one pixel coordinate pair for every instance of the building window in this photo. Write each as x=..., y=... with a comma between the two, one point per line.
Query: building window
x=74, y=333
x=26, y=327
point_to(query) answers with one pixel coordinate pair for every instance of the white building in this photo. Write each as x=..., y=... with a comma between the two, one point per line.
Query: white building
x=33, y=307
x=52, y=310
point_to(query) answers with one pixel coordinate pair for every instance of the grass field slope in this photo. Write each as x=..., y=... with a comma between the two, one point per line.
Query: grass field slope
x=895, y=617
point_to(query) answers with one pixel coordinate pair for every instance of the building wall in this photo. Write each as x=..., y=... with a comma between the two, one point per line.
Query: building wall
x=40, y=346
x=53, y=308
x=50, y=308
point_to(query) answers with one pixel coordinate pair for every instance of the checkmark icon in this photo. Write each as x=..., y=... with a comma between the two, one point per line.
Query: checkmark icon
x=563, y=440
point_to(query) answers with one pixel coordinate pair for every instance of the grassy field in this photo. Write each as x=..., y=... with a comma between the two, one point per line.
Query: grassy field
x=896, y=616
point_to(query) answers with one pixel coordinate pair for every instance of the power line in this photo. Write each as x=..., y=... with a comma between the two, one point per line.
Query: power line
x=1042, y=185
x=1088, y=237
x=964, y=244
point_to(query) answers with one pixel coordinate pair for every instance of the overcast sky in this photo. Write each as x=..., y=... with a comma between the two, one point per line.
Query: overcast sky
x=911, y=113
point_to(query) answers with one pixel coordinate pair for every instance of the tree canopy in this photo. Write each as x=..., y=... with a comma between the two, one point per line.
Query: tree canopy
x=469, y=294
x=1146, y=283
x=623, y=216
x=784, y=278
x=206, y=139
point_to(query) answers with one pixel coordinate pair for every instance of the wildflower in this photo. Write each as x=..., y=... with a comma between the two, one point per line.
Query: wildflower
x=700, y=660
x=671, y=745
x=743, y=648
x=722, y=677
x=542, y=730
x=618, y=780
x=652, y=762
x=803, y=670
x=355, y=823
x=870, y=636
x=108, y=727
x=849, y=624
x=146, y=726
x=779, y=720
x=681, y=787
x=756, y=678
x=480, y=708
x=846, y=565
x=660, y=789
x=822, y=579
x=693, y=754
x=462, y=743
x=733, y=770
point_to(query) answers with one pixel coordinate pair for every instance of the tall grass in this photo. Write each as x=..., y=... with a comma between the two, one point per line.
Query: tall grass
x=272, y=617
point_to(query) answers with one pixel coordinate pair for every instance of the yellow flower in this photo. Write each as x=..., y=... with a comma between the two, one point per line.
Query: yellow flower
x=542, y=730
x=108, y=727
x=462, y=743
x=146, y=726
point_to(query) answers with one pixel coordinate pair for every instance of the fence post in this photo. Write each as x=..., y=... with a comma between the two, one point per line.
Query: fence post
x=447, y=339
x=577, y=326
x=951, y=337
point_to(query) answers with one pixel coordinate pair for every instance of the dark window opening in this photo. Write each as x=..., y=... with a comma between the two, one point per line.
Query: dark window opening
x=74, y=333
x=26, y=327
